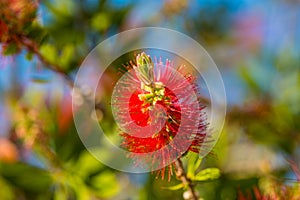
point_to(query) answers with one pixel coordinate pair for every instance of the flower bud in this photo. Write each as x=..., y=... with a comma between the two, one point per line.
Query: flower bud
x=144, y=69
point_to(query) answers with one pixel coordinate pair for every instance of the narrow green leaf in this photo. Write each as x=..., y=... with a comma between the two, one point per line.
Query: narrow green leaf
x=105, y=184
x=60, y=194
x=100, y=22
x=29, y=56
x=49, y=52
x=249, y=79
x=6, y=191
x=86, y=165
x=12, y=48
x=194, y=163
x=66, y=55
x=175, y=187
x=207, y=174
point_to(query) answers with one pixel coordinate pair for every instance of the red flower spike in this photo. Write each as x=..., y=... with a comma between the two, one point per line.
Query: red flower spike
x=16, y=17
x=160, y=114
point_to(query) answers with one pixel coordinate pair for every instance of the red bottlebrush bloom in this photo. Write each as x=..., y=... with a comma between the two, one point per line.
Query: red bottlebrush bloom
x=16, y=16
x=159, y=111
x=3, y=30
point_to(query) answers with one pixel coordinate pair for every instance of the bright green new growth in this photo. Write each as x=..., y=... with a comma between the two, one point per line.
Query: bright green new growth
x=145, y=73
x=145, y=69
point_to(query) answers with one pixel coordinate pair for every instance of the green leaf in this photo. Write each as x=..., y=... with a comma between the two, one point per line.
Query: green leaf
x=37, y=33
x=175, y=187
x=87, y=164
x=105, y=184
x=29, y=55
x=194, y=163
x=207, y=174
x=249, y=79
x=60, y=194
x=66, y=55
x=6, y=191
x=80, y=188
x=27, y=177
x=49, y=52
x=100, y=22
x=12, y=48
x=39, y=79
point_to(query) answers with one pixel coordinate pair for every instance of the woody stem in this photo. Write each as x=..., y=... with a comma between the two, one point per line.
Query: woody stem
x=31, y=46
x=181, y=175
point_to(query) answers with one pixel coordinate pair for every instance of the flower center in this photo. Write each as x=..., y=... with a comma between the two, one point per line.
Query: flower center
x=154, y=94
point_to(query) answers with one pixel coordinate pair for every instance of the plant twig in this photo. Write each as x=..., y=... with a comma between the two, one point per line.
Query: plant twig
x=32, y=47
x=181, y=174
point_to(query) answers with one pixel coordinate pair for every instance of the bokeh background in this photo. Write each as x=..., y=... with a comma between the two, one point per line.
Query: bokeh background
x=255, y=44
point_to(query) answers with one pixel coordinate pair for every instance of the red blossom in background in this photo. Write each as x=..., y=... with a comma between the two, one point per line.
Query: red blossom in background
x=15, y=18
x=165, y=119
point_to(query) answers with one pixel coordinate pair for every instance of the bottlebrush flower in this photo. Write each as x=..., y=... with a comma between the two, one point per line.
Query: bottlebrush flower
x=16, y=16
x=159, y=111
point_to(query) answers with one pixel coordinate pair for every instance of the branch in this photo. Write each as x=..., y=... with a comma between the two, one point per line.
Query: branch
x=32, y=47
x=181, y=174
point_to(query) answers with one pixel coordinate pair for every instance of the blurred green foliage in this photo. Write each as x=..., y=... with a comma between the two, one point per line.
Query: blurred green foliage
x=41, y=155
